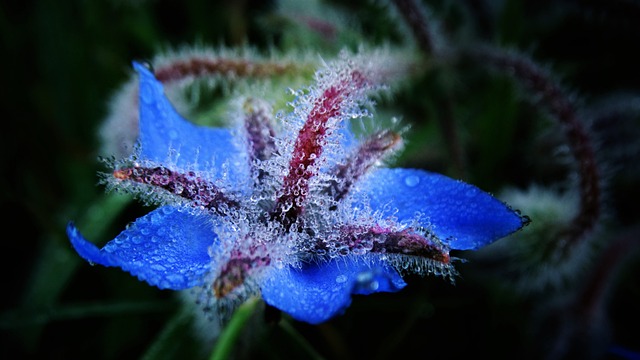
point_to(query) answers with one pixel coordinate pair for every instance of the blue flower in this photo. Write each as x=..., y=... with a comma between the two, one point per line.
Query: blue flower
x=294, y=208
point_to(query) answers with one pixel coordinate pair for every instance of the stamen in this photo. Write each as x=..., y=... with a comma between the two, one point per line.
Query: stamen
x=200, y=191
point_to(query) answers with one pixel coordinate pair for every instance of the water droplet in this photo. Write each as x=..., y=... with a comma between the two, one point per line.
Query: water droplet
x=412, y=180
x=156, y=218
x=374, y=285
x=146, y=93
x=341, y=278
x=158, y=267
x=147, y=64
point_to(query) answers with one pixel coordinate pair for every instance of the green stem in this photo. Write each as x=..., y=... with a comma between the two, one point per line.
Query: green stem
x=232, y=331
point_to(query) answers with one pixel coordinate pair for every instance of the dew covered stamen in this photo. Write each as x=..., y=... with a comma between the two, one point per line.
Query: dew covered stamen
x=366, y=155
x=309, y=145
x=199, y=191
x=235, y=271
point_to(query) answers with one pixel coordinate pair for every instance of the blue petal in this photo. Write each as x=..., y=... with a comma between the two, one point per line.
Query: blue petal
x=347, y=136
x=461, y=214
x=167, y=248
x=319, y=291
x=162, y=130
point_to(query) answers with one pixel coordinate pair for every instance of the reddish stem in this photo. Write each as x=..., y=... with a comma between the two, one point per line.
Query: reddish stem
x=201, y=66
x=534, y=79
x=417, y=21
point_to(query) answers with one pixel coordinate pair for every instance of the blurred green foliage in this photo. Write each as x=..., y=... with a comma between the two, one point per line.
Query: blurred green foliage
x=63, y=60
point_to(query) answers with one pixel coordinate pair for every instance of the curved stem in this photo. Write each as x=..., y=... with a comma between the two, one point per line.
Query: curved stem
x=415, y=18
x=534, y=79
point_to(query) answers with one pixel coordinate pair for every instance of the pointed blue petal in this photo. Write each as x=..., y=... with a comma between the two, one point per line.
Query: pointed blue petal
x=162, y=130
x=461, y=214
x=167, y=248
x=319, y=291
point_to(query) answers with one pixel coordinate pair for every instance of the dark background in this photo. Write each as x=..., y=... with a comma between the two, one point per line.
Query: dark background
x=63, y=60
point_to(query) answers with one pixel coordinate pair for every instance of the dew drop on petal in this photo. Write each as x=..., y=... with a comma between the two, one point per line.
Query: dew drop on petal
x=168, y=209
x=146, y=93
x=341, y=278
x=158, y=267
x=412, y=180
x=172, y=278
x=374, y=285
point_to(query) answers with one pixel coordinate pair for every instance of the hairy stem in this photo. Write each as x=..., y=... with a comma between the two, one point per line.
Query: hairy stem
x=416, y=18
x=560, y=107
x=417, y=21
x=205, y=66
